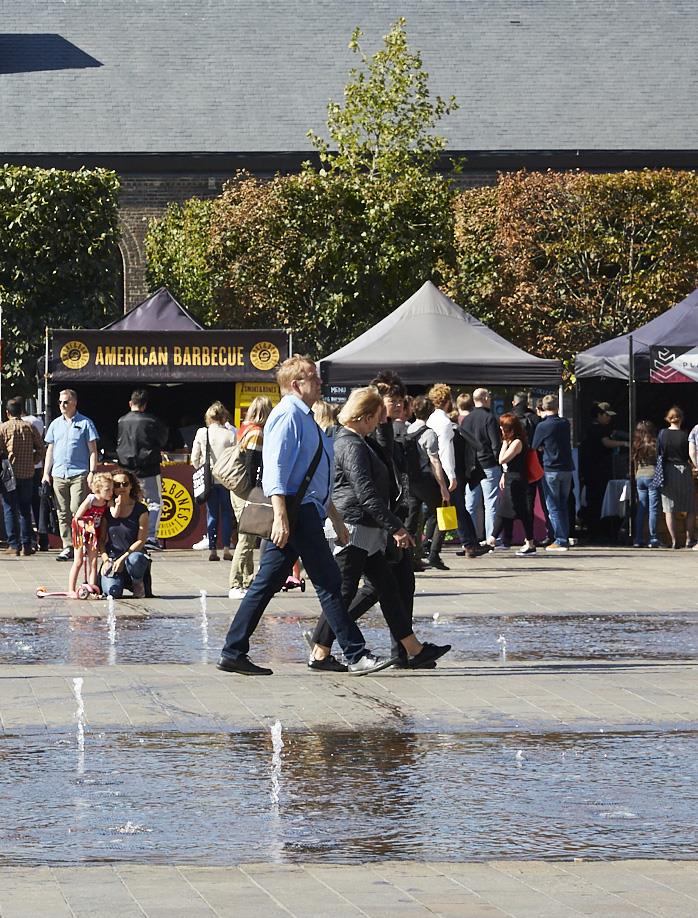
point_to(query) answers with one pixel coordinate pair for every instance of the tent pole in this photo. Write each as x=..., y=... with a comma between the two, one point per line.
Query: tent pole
x=47, y=407
x=631, y=425
x=560, y=400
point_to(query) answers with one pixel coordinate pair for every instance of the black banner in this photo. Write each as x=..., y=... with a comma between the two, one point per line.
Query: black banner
x=198, y=356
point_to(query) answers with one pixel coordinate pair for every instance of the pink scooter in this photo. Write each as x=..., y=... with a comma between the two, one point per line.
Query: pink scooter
x=84, y=591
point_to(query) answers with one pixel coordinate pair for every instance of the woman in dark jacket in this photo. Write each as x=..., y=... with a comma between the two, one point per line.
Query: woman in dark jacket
x=361, y=494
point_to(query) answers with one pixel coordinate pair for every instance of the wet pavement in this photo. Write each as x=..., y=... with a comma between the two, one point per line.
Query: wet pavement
x=548, y=766
x=95, y=640
x=347, y=797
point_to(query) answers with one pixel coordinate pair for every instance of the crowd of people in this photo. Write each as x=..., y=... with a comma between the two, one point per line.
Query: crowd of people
x=377, y=479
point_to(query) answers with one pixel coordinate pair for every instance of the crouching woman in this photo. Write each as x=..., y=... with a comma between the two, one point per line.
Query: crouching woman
x=124, y=562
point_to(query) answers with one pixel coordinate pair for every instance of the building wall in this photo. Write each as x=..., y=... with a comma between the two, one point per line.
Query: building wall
x=144, y=197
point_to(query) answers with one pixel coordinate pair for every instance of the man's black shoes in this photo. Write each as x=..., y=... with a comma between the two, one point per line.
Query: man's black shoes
x=243, y=666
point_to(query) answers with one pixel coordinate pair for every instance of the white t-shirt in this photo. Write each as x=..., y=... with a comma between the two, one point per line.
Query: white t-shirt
x=442, y=425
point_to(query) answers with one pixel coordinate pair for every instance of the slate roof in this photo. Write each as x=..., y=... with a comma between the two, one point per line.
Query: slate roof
x=148, y=76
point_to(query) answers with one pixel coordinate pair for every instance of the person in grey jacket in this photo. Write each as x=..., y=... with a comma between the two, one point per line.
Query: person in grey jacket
x=361, y=494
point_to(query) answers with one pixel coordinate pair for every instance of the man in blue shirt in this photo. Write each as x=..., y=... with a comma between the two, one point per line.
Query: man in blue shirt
x=71, y=458
x=291, y=439
x=552, y=435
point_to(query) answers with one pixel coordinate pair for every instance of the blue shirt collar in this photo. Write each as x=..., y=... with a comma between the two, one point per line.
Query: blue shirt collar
x=299, y=403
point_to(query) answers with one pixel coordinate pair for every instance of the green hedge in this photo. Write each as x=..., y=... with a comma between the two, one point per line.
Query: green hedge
x=59, y=259
x=559, y=262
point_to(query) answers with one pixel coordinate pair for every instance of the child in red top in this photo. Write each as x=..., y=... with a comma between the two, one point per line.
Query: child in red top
x=86, y=525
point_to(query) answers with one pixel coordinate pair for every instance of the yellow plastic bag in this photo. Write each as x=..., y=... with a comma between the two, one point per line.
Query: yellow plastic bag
x=446, y=518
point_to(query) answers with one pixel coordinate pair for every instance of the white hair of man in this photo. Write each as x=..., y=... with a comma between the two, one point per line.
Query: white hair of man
x=480, y=396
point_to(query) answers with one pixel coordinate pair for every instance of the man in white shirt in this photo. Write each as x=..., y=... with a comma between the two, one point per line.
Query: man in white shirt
x=440, y=422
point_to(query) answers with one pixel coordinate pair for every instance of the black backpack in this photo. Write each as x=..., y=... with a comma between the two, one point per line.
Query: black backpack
x=414, y=458
x=465, y=446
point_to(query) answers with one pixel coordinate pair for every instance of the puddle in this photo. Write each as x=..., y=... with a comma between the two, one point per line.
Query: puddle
x=347, y=797
x=102, y=641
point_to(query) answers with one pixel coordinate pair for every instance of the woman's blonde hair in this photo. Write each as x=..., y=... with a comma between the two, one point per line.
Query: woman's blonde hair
x=323, y=413
x=673, y=415
x=259, y=411
x=361, y=403
x=216, y=413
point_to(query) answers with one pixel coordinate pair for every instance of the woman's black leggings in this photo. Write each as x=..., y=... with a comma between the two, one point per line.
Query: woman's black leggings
x=353, y=562
x=522, y=510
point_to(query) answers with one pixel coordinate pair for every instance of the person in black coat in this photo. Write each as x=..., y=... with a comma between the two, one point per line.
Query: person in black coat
x=361, y=494
x=141, y=438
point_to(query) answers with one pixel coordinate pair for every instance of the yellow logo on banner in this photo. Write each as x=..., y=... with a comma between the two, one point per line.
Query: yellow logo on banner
x=74, y=355
x=264, y=355
x=177, y=509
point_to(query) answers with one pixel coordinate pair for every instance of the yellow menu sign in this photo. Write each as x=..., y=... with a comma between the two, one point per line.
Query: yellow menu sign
x=245, y=393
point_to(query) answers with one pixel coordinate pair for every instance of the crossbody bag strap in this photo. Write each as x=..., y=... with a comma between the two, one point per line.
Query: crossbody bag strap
x=312, y=468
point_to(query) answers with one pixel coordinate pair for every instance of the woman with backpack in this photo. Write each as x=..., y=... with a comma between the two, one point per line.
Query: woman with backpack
x=427, y=481
x=249, y=439
x=513, y=484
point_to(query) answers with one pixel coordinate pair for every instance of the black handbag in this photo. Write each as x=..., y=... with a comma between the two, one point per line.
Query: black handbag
x=658, y=479
x=257, y=517
x=202, y=480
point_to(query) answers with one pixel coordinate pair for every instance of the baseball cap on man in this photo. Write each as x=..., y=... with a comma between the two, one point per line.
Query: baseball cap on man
x=605, y=407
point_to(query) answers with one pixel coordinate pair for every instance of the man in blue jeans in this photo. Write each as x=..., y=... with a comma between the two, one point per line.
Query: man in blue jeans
x=24, y=447
x=291, y=438
x=553, y=437
x=484, y=427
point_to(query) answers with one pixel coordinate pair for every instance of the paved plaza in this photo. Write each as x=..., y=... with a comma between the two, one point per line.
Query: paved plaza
x=180, y=694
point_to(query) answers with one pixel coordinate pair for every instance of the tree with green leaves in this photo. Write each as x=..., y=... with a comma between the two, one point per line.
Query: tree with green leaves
x=178, y=253
x=332, y=251
x=59, y=259
x=386, y=125
x=558, y=262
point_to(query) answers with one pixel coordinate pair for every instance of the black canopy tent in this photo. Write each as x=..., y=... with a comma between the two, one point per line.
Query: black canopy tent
x=431, y=338
x=159, y=345
x=675, y=328
x=603, y=371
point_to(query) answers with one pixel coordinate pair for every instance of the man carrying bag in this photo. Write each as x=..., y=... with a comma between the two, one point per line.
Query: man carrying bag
x=290, y=449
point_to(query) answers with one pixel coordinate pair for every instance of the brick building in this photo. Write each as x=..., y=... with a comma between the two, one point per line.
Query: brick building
x=175, y=95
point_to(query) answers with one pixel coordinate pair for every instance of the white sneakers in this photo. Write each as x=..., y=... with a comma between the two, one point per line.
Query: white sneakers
x=237, y=593
x=202, y=544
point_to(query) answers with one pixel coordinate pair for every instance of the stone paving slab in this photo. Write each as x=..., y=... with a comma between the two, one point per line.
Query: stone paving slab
x=518, y=889
x=582, y=581
x=577, y=696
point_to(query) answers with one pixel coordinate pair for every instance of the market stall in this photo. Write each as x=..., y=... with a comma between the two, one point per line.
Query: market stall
x=431, y=339
x=185, y=368
x=642, y=374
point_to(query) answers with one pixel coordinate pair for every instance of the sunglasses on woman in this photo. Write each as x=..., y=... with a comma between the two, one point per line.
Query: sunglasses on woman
x=121, y=484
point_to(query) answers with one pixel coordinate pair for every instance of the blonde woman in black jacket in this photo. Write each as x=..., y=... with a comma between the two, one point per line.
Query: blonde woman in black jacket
x=361, y=494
